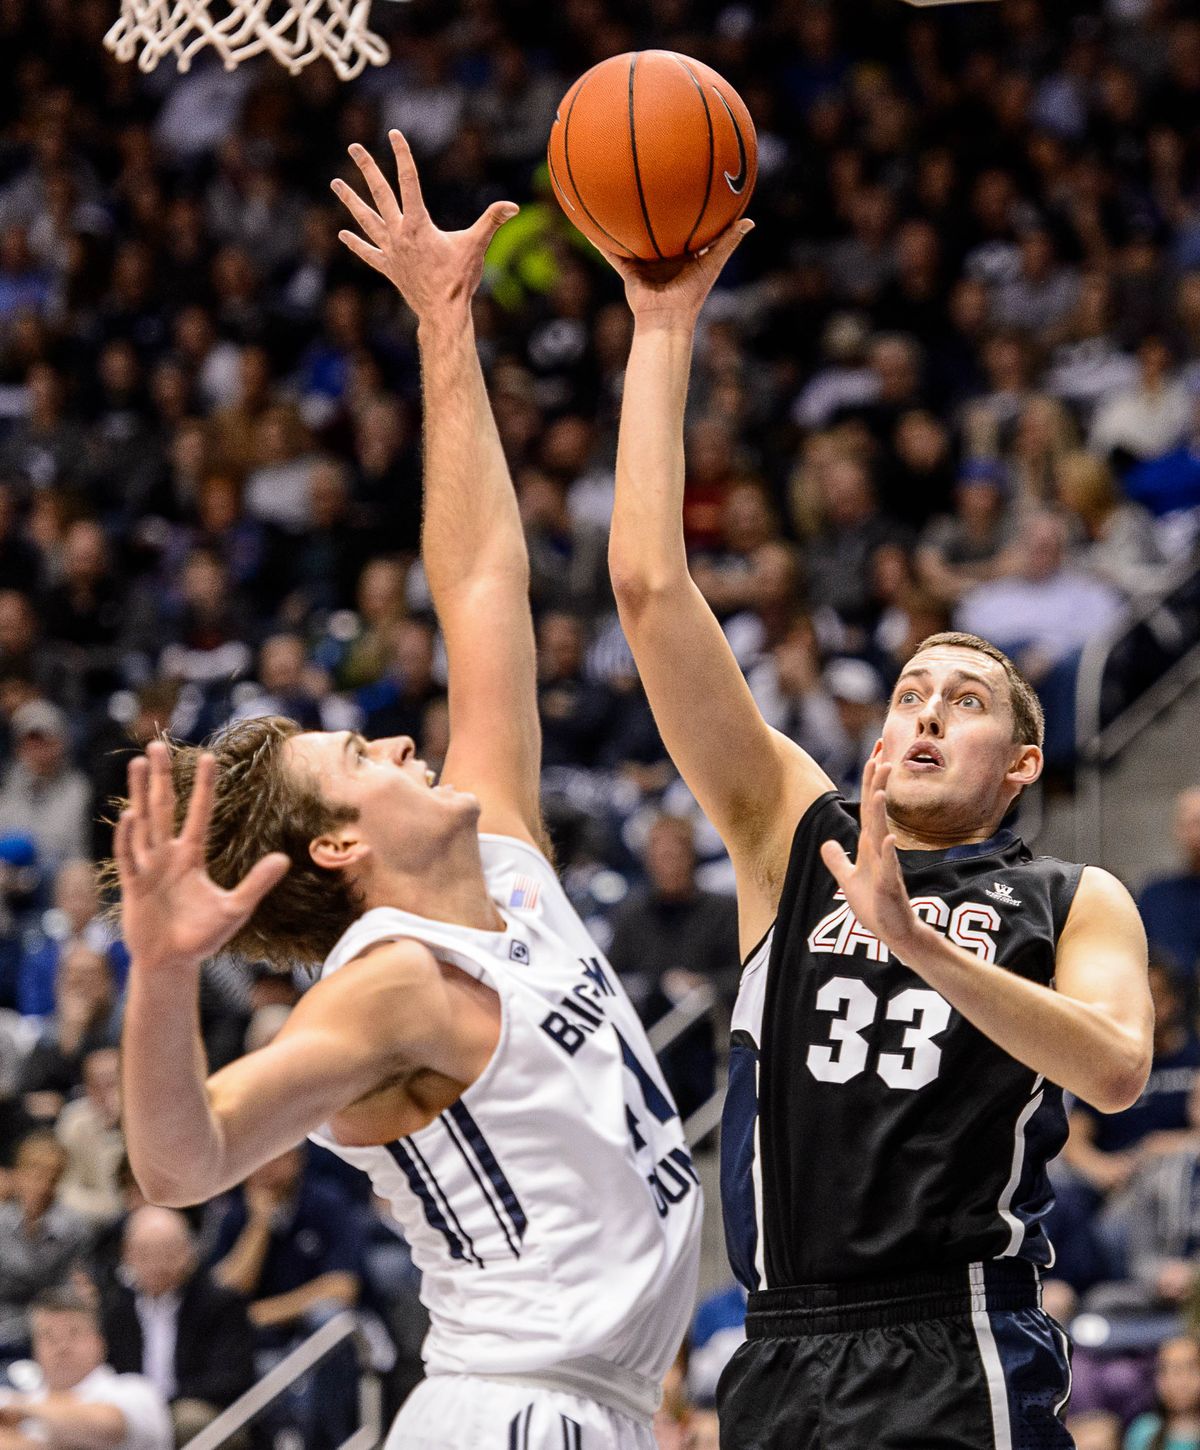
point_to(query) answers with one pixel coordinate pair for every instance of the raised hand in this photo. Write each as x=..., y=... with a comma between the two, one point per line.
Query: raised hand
x=432, y=269
x=873, y=883
x=677, y=288
x=173, y=913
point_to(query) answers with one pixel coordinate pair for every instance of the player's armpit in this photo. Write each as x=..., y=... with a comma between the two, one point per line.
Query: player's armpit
x=390, y=1013
x=1101, y=962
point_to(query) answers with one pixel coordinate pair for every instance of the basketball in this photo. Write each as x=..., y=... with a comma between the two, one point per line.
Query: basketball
x=652, y=155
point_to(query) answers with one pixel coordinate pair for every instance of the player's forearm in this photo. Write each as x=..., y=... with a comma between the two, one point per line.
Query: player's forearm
x=174, y=1141
x=646, y=546
x=1078, y=1045
x=471, y=529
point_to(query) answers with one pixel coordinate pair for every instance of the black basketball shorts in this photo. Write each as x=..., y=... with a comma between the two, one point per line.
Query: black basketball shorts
x=963, y=1360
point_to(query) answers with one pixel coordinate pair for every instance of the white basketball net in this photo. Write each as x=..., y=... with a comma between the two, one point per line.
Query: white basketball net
x=294, y=32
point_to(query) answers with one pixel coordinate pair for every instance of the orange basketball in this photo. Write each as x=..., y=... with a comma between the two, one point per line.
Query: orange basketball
x=652, y=154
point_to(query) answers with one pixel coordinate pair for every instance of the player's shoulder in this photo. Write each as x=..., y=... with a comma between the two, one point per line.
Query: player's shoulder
x=1100, y=891
x=382, y=968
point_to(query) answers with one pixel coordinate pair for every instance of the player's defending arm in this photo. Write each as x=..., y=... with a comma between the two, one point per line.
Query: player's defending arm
x=472, y=543
x=752, y=782
x=375, y=1023
x=1090, y=1033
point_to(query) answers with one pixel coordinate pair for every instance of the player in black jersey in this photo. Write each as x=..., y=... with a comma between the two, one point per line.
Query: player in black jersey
x=917, y=993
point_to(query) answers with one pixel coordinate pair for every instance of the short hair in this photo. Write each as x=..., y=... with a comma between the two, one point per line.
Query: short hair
x=1029, y=719
x=66, y=1299
x=260, y=805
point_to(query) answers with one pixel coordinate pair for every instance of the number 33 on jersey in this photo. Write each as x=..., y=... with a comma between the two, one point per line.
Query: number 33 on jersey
x=869, y=1128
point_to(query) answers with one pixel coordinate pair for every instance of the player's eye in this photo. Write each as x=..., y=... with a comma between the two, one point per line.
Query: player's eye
x=972, y=700
x=906, y=697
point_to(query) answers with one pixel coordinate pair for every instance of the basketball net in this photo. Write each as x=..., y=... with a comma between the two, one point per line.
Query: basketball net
x=293, y=32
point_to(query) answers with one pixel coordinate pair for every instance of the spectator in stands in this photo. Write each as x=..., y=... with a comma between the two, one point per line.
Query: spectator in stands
x=279, y=490
x=1043, y=615
x=1148, y=419
x=75, y=916
x=1160, y=1226
x=41, y=1243
x=1116, y=538
x=83, y=612
x=166, y=1319
x=287, y=685
x=1043, y=292
x=293, y=1247
x=837, y=557
x=575, y=711
x=395, y=704
x=1175, y=1424
x=859, y=697
x=47, y=446
x=82, y=1403
x=89, y=1128
x=42, y=795
x=1170, y=905
x=85, y=1018
x=1105, y=1149
x=793, y=697
x=362, y=658
x=669, y=938
x=568, y=557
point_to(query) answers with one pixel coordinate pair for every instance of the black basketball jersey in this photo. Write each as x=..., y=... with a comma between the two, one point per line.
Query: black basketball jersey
x=870, y=1129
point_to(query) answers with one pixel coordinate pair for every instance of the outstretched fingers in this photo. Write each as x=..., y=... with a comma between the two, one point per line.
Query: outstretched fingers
x=200, y=806
x=406, y=173
x=370, y=221
x=139, y=810
x=372, y=256
x=161, y=794
x=123, y=848
x=382, y=194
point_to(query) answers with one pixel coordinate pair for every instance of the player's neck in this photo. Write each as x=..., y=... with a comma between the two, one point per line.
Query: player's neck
x=451, y=888
x=928, y=838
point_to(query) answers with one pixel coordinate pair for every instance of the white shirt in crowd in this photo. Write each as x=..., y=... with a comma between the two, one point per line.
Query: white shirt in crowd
x=159, y=1319
x=147, y=1419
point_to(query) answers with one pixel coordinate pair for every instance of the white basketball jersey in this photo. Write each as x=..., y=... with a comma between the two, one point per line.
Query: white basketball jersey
x=553, y=1210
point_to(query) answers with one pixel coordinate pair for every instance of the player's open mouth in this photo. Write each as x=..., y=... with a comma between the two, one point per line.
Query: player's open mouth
x=924, y=756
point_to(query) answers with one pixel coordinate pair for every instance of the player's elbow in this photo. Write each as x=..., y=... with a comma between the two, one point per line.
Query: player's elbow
x=1121, y=1081
x=638, y=584
x=165, y=1189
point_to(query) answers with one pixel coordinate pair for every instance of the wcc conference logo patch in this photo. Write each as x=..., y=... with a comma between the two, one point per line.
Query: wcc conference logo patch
x=1003, y=894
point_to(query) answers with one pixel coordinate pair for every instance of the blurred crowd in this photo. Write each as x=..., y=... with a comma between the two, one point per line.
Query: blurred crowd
x=953, y=378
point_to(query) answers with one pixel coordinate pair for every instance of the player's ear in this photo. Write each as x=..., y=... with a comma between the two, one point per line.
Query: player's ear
x=1025, y=766
x=338, y=849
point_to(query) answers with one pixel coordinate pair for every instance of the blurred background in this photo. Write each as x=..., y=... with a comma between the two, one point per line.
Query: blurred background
x=953, y=379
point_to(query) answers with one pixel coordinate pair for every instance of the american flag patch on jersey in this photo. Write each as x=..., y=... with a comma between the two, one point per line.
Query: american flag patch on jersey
x=524, y=893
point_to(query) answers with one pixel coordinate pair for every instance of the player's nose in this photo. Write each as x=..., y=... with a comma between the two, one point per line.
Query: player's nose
x=929, y=721
x=398, y=748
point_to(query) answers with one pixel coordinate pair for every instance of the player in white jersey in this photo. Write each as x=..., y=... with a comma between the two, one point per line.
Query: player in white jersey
x=467, y=1045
